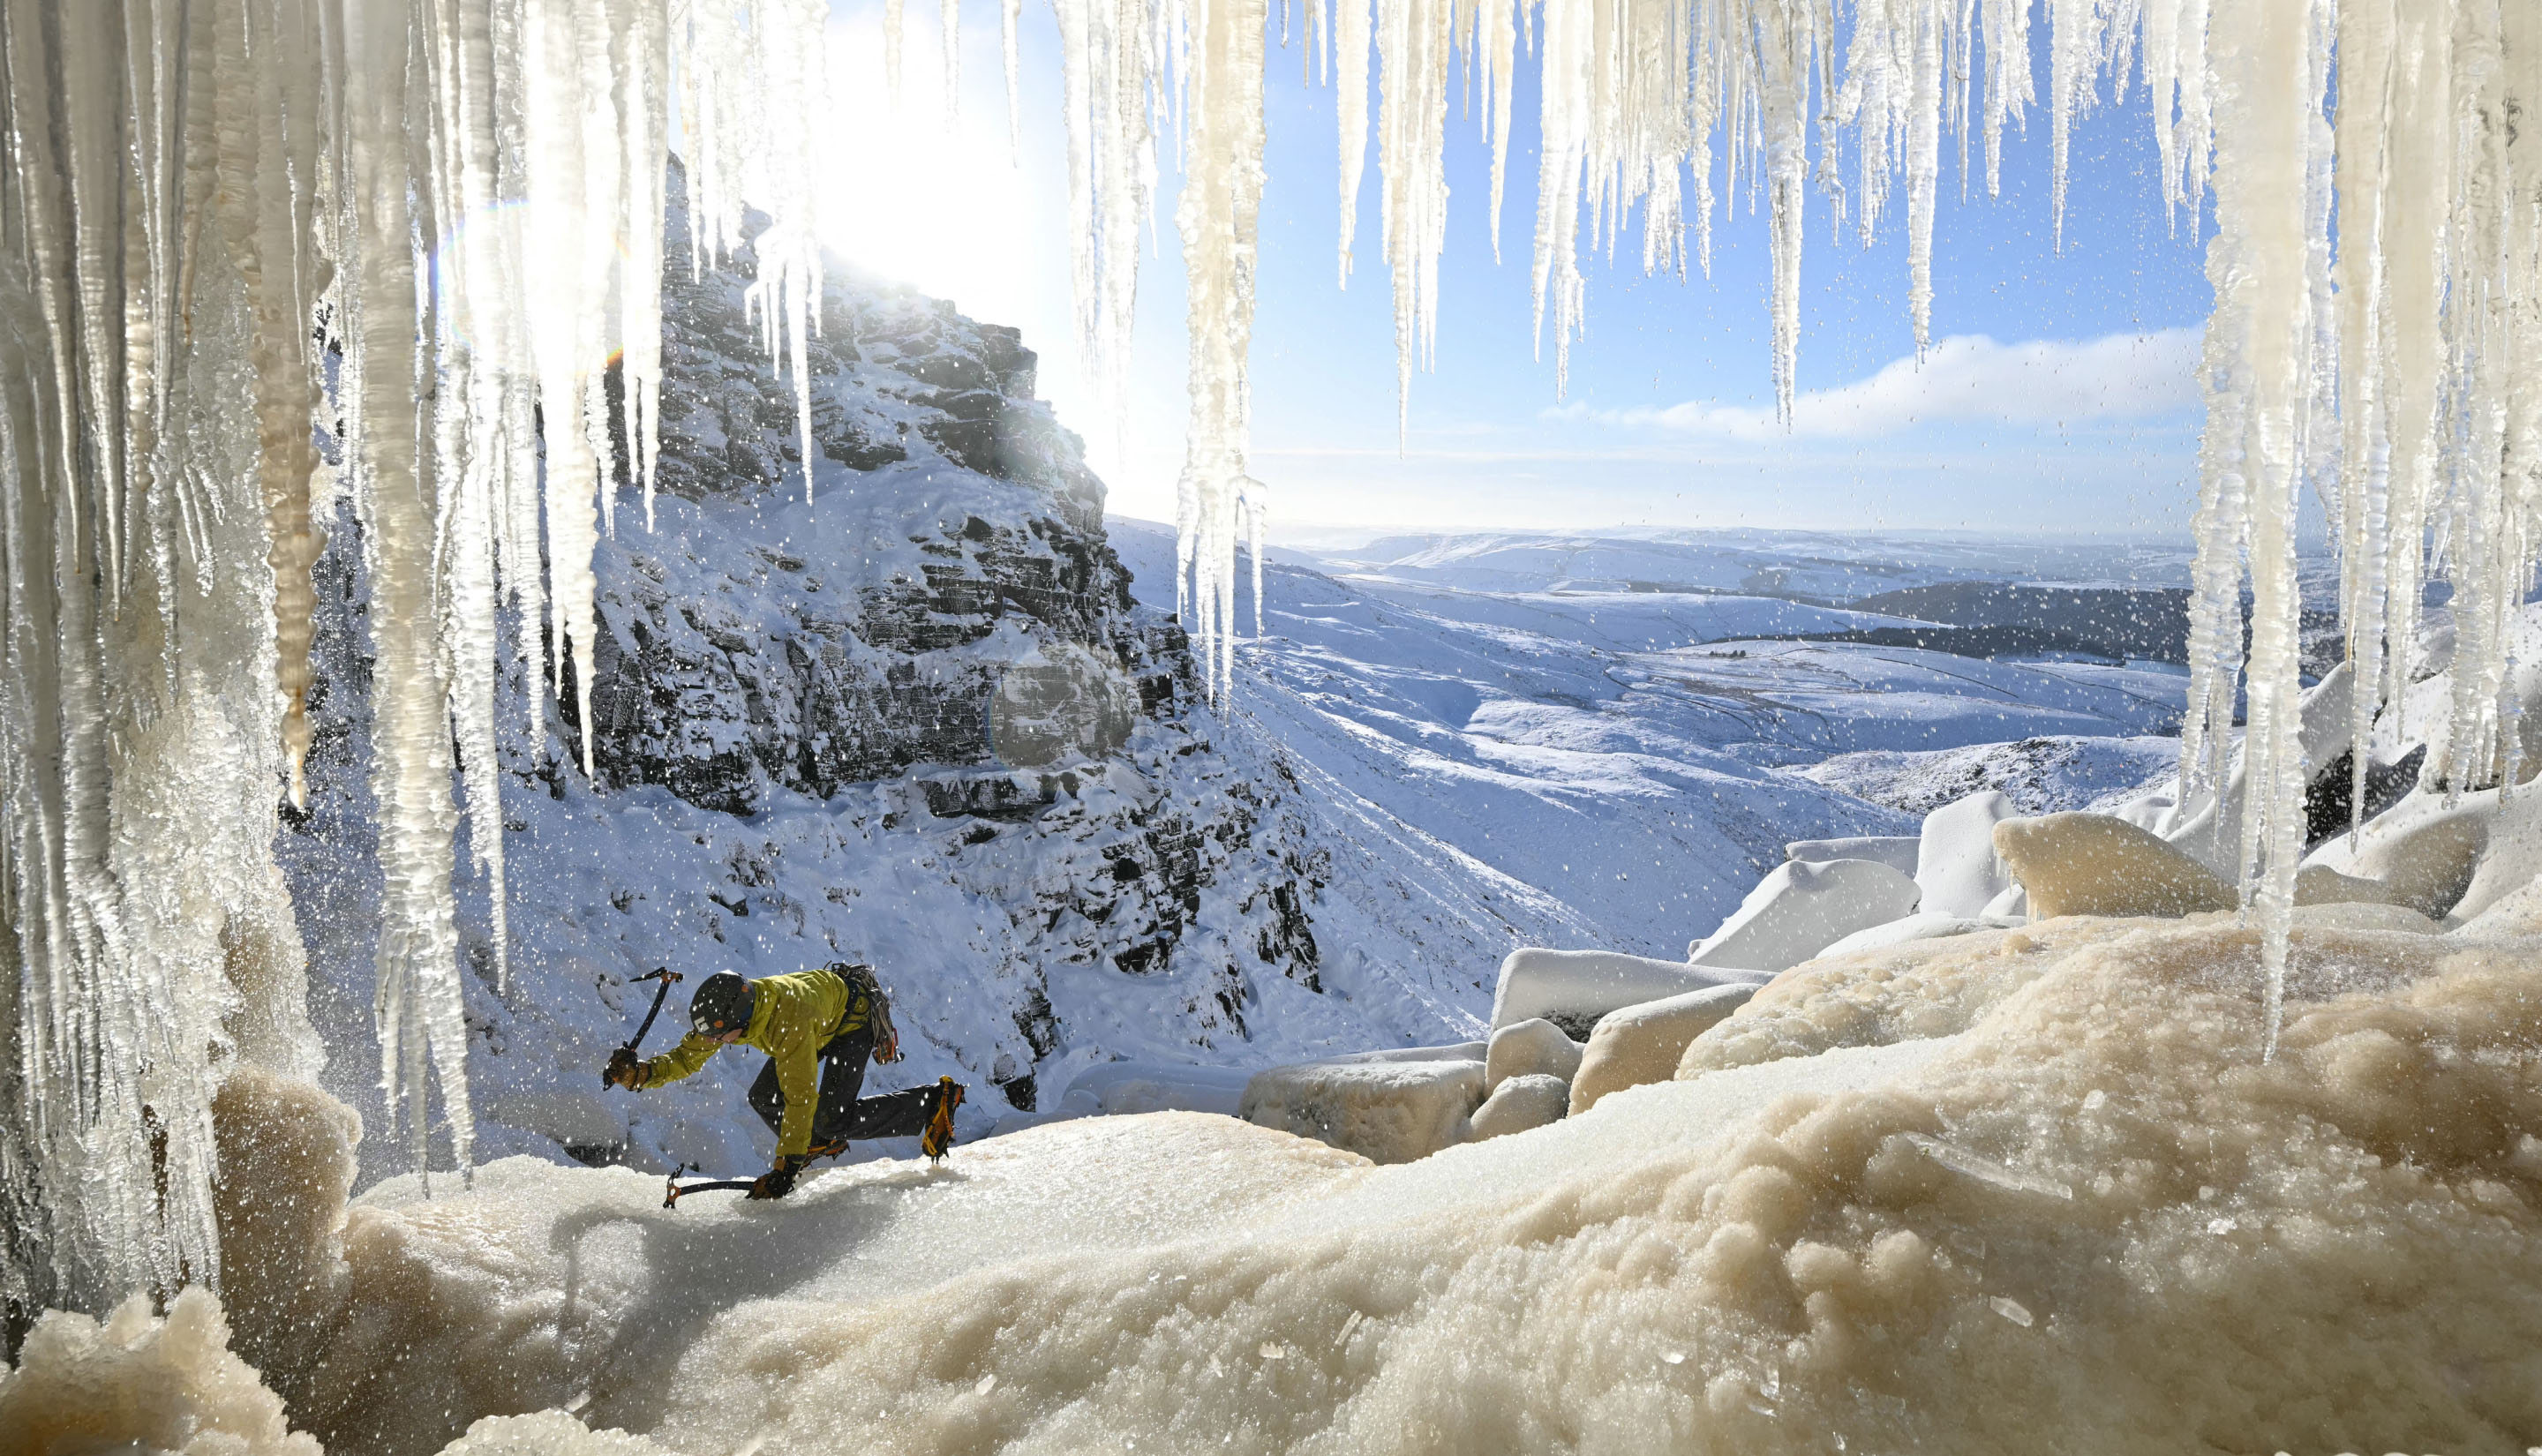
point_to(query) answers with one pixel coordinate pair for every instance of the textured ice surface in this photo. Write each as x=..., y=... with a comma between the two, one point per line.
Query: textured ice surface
x=1904, y=1242
x=1579, y=986
x=1388, y=1112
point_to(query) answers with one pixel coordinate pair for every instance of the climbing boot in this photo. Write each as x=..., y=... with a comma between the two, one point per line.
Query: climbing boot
x=938, y=1139
x=829, y=1148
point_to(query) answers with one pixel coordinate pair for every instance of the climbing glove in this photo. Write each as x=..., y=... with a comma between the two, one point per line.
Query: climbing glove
x=626, y=1069
x=779, y=1181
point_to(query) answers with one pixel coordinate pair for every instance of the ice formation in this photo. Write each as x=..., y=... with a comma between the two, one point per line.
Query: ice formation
x=464, y=201
x=465, y=196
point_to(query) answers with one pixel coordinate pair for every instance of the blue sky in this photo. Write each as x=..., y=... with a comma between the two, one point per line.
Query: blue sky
x=2059, y=398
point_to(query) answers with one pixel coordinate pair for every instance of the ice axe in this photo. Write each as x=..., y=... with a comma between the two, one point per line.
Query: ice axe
x=626, y=1053
x=669, y=978
x=673, y=1189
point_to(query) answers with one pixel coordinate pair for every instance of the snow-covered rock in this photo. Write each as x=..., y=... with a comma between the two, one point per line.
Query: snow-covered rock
x=1387, y=1112
x=1573, y=988
x=1898, y=851
x=1801, y=909
x=2423, y=852
x=1535, y=1048
x=1921, y=925
x=1643, y=1044
x=1956, y=867
x=1522, y=1104
x=2511, y=859
x=2092, y=864
x=2319, y=883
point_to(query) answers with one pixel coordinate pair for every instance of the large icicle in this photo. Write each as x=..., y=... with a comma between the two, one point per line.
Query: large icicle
x=1217, y=215
x=1110, y=71
x=418, y=1003
x=2270, y=67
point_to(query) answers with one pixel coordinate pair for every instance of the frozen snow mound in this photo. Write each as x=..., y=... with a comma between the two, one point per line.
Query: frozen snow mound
x=1957, y=868
x=1877, y=1243
x=142, y=1384
x=1387, y=1112
x=1804, y=907
x=1644, y=1044
x=1536, y=1047
x=2423, y=852
x=1522, y=1104
x=1573, y=988
x=1898, y=851
x=2094, y=865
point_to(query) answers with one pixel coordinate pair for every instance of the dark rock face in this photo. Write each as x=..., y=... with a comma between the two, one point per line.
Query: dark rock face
x=760, y=660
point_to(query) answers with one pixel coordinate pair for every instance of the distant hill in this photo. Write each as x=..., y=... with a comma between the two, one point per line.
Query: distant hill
x=2146, y=623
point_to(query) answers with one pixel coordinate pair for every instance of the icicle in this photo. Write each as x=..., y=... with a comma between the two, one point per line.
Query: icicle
x=417, y=1006
x=892, y=47
x=1008, y=12
x=1217, y=215
x=1111, y=66
x=1350, y=103
x=1412, y=46
x=2271, y=67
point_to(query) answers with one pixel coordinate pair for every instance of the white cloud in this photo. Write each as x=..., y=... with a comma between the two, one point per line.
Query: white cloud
x=1966, y=378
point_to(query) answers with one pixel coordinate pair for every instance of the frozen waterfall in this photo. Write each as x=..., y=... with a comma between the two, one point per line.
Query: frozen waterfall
x=209, y=203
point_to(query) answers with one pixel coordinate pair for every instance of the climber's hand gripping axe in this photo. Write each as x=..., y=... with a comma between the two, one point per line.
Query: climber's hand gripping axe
x=627, y=1051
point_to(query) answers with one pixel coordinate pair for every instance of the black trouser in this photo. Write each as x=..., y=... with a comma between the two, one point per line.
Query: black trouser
x=840, y=1114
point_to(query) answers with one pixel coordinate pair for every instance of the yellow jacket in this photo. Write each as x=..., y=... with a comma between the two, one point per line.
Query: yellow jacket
x=792, y=1018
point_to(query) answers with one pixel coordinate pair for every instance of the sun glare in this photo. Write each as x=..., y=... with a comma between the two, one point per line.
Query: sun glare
x=942, y=208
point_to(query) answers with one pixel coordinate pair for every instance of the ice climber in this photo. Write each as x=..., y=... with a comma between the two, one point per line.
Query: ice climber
x=818, y=1028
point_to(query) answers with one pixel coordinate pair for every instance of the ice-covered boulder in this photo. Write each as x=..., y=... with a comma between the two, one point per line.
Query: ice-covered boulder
x=2421, y=851
x=2319, y=883
x=1387, y=1112
x=1122, y=1088
x=1521, y=1105
x=1802, y=907
x=1642, y=1043
x=1921, y=925
x=1573, y=988
x=1536, y=1047
x=1898, y=851
x=1955, y=868
x=2509, y=861
x=2091, y=864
